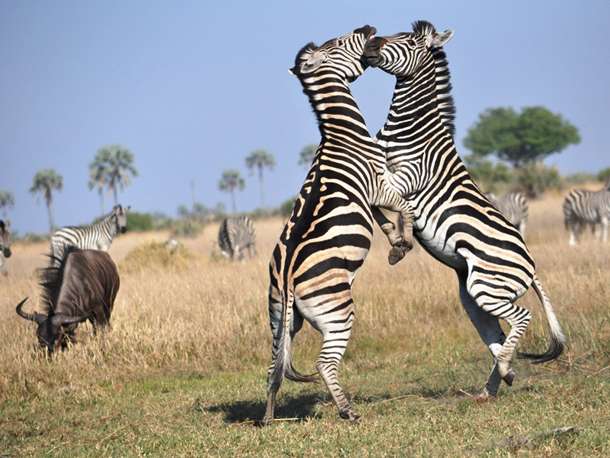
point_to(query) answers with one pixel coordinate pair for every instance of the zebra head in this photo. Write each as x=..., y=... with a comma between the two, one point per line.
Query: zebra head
x=403, y=54
x=342, y=56
x=5, y=239
x=50, y=330
x=120, y=217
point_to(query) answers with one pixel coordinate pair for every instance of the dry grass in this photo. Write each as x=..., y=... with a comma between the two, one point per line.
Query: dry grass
x=182, y=329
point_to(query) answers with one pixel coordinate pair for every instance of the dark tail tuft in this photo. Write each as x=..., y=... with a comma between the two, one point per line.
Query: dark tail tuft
x=556, y=348
x=296, y=376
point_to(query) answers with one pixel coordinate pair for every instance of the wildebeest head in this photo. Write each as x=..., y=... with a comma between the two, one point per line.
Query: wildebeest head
x=120, y=217
x=50, y=332
x=5, y=239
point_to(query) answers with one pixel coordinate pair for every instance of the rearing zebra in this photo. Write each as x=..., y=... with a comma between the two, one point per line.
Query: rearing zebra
x=237, y=238
x=97, y=236
x=454, y=221
x=582, y=207
x=514, y=208
x=5, y=246
x=329, y=233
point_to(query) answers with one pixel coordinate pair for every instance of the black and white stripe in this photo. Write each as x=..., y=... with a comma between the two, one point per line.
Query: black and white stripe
x=5, y=246
x=513, y=206
x=583, y=208
x=237, y=238
x=97, y=236
x=329, y=233
x=454, y=221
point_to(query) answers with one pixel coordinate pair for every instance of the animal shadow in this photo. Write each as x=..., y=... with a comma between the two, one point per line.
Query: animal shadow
x=302, y=407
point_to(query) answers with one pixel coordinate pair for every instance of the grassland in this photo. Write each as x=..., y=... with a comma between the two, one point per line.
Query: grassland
x=182, y=373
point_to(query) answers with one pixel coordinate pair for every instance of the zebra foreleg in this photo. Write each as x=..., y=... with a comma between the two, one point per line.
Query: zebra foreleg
x=390, y=223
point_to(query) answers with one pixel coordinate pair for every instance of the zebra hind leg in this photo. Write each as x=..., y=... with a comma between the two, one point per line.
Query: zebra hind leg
x=336, y=332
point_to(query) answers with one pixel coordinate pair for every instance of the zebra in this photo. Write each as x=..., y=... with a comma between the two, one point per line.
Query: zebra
x=513, y=206
x=329, y=233
x=453, y=220
x=5, y=246
x=581, y=208
x=237, y=238
x=96, y=236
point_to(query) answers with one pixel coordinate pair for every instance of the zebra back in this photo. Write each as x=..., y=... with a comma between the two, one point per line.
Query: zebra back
x=582, y=206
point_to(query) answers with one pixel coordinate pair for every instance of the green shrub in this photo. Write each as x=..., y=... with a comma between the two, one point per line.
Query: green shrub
x=534, y=179
x=186, y=228
x=604, y=175
x=490, y=176
x=139, y=222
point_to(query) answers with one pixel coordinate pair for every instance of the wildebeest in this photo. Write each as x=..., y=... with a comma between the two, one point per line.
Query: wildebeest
x=5, y=245
x=82, y=287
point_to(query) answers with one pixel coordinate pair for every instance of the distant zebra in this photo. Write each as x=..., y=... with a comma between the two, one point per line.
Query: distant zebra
x=237, y=238
x=5, y=246
x=97, y=236
x=330, y=229
x=582, y=208
x=513, y=206
x=453, y=220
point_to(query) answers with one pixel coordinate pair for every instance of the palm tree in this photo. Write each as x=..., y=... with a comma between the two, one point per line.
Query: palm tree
x=116, y=162
x=98, y=174
x=307, y=154
x=45, y=182
x=260, y=159
x=7, y=200
x=229, y=182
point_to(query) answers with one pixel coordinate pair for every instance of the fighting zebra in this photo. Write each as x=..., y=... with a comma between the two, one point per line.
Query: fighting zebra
x=96, y=236
x=582, y=208
x=237, y=238
x=5, y=246
x=514, y=208
x=329, y=233
x=454, y=221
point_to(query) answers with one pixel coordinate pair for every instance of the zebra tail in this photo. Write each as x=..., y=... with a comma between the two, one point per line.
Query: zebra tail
x=283, y=361
x=558, y=339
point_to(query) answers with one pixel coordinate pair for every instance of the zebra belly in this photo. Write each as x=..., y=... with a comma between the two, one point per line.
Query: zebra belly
x=435, y=245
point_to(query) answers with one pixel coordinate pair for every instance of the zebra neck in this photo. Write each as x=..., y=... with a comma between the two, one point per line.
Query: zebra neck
x=108, y=226
x=339, y=118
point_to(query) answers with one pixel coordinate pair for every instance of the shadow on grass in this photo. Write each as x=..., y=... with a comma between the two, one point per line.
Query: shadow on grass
x=301, y=407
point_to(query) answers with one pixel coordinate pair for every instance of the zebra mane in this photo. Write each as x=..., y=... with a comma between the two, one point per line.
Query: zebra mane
x=444, y=99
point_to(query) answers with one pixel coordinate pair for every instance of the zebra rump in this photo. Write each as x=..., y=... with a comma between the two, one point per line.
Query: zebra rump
x=237, y=238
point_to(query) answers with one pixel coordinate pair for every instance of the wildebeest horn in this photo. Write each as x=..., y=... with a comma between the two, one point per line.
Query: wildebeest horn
x=65, y=320
x=37, y=317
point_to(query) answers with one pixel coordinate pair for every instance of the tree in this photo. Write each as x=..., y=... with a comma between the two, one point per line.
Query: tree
x=115, y=162
x=45, y=182
x=520, y=138
x=259, y=160
x=229, y=182
x=98, y=175
x=7, y=200
x=307, y=154
x=603, y=175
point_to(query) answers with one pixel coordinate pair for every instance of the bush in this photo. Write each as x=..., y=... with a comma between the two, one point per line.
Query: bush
x=536, y=178
x=580, y=178
x=186, y=228
x=488, y=175
x=139, y=222
x=285, y=208
x=604, y=175
x=155, y=254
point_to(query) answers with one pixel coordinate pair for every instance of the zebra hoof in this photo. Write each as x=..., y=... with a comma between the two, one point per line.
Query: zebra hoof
x=483, y=397
x=349, y=415
x=509, y=377
x=396, y=254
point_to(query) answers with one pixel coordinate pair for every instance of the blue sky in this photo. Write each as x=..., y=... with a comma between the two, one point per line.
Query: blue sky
x=192, y=87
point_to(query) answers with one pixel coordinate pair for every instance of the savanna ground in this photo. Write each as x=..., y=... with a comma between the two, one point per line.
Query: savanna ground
x=182, y=373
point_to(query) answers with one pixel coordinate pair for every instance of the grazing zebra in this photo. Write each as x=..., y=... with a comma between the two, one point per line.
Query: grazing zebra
x=454, y=221
x=514, y=208
x=329, y=232
x=97, y=236
x=582, y=208
x=236, y=238
x=5, y=246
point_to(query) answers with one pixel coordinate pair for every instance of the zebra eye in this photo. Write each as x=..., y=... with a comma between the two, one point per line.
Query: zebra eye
x=411, y=43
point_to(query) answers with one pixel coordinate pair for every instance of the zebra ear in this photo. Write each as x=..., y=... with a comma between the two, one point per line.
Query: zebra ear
x=439, y=39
